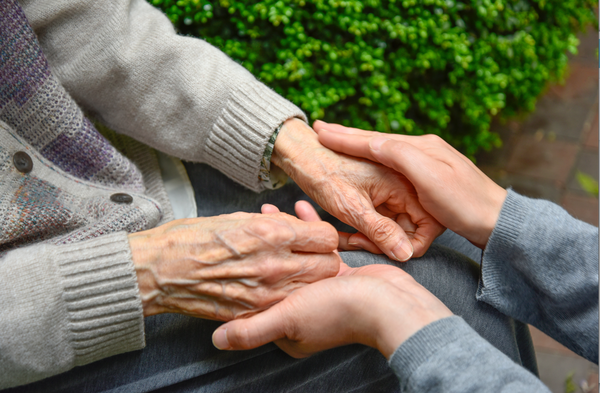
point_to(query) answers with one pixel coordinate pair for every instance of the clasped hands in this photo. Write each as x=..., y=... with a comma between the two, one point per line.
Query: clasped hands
x=396, y=190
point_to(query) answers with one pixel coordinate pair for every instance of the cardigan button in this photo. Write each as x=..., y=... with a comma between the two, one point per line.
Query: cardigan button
x=121, y=198
x=23, y=162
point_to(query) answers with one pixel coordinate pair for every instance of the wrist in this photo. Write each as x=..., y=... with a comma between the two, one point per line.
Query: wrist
x=382, y=317
x=294, y=139
x=393, y=328
x=485, y=226
x=142, y=256
x=401, y=315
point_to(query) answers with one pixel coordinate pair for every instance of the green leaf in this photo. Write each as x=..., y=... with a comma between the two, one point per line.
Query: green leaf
x=570, y=386
x=588, y=183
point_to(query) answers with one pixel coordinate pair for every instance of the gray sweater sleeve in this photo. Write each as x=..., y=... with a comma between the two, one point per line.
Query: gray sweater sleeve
x=448, y=356
x=65, y=306
x=123, y=61
x=540, y=266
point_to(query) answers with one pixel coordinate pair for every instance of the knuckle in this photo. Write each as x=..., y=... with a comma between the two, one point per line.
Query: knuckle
x=240, y=337
x=329, y=236
x=236, y=216
x=272, y=270
x=272, y=231
x=434, y=139
x=382, y=231
x=264, y=270
x=261, y=227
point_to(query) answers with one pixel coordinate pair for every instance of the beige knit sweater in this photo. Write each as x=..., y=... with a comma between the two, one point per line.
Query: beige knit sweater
x=70, y=304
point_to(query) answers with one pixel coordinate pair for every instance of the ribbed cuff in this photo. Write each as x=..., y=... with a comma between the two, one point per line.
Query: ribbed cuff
x=502, y=241
x=238, y=139
x=424, y=344
x=103, y=305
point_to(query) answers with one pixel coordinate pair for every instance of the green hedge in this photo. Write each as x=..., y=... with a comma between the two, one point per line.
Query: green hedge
x=413, y=66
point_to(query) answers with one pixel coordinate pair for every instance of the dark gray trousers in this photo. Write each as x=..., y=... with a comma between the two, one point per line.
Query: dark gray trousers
x=179, y=356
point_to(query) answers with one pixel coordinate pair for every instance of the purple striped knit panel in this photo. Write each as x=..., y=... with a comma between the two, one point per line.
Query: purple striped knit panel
x=37, y=107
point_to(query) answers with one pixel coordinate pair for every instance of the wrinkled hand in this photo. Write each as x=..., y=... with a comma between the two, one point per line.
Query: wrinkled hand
x=448, y=185
x=230, y=266
x=380, y=203
x=378, y=305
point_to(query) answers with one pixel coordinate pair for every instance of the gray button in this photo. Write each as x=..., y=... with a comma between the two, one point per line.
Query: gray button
x=23, y=162
x=121, y=198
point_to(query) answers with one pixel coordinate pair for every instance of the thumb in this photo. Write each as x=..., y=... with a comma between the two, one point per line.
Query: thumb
x=386, y=234
x=250, y=333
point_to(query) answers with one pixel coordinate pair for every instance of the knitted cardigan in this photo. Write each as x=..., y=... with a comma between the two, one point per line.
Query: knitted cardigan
x=68, y=288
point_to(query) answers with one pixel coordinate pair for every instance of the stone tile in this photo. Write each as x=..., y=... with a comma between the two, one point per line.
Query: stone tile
x=543, y=342
x=556, y=362
x=524, y=185
x=555, y=368
x=592, y=383
x=591, y=141
x=586, y=52
x=542, y=159
x=587, y=163
x=582, y=80
x=581, y=207
x=561, y=118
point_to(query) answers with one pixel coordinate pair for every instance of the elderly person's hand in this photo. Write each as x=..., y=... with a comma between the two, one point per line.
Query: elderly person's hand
x=448, y=185
x=230, y=266
x=378, y=305
x=377, y=201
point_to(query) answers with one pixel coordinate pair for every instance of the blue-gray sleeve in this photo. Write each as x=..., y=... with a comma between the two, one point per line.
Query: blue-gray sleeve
x=540, y=266
x=449, y=356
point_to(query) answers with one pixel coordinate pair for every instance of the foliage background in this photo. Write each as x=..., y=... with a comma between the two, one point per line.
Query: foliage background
x=406, y=66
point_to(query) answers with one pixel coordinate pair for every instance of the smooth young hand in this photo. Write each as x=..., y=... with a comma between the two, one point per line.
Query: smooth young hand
x=378, y=305
x=448, y=185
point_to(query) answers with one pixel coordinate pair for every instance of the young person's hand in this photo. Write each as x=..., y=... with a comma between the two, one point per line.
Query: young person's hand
x=378, y=305
x=379, y=202
x=448, y=185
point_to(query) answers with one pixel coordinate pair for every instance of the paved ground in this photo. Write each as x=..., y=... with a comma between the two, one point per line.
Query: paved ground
x=541, y=156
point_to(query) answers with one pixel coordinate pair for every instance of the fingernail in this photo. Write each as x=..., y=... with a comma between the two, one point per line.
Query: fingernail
x=219, y=339
x=355, y=241
x=356, y=245
x=403, y=251
x=376, y=142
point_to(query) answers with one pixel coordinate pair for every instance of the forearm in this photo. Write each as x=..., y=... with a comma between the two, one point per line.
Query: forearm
x=65, y=306
x=123, y=61
x=448, y=356
x=540, y=266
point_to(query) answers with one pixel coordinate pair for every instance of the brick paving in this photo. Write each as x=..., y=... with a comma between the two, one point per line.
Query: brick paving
x=541, y=156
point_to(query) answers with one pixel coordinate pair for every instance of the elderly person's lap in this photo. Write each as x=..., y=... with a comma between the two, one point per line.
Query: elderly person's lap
x=179, y=355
